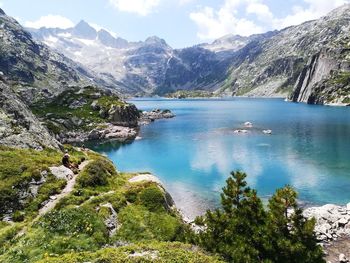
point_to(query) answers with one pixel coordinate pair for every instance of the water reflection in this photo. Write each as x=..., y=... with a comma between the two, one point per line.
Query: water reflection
x=194, y=153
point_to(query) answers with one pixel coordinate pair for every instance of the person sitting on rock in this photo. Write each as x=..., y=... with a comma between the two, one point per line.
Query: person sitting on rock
x=66, y=161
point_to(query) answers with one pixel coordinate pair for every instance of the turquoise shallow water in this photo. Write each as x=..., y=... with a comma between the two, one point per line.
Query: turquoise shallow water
x=194, y=153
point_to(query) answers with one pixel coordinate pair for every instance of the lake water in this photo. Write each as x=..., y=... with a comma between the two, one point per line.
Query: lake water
x=194, y=153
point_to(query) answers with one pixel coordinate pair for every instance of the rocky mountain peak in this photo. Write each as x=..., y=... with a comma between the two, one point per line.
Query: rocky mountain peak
x=230, y=38
x=2, y=13
x=154, y=40
x=84, y=30
x=108, y=40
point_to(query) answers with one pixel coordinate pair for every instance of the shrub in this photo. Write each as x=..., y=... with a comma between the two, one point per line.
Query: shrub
x=152, y=198
x=18, y=216
x=75, y=223
x=96, y=173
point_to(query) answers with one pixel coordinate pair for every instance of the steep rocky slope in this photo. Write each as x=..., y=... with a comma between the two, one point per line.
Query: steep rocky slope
x=32, y=69
x=18, y=126
x=272, y=66
x=325, y=80
x=71, y=103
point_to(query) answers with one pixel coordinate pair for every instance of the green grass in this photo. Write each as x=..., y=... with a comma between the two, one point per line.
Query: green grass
x=76, y=224
x=158, y=252
x=342, y=78
x=58, y=109
x=18, y=168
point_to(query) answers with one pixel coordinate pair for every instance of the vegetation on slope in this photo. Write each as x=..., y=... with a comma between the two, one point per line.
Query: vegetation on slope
x=183, y=94
x=77, y=109
x=107, y=218
x=77, y=227
x=22, y=168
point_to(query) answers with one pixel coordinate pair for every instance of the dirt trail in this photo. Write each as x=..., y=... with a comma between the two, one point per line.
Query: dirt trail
x=67, y=190
x=56, y=198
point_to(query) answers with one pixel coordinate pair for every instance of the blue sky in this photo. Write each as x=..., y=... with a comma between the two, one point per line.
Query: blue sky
x=181, y=23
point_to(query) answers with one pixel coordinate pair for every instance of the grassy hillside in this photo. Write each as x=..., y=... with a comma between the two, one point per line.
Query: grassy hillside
x=105, y=218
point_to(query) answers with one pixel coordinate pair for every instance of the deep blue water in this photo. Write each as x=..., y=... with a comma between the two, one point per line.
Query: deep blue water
x=194, y=153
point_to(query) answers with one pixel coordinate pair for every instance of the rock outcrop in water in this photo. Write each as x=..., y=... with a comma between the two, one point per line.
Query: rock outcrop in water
x=147, y=117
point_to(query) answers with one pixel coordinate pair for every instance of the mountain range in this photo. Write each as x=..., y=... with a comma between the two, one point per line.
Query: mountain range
x=268, y=65
x=304, y=63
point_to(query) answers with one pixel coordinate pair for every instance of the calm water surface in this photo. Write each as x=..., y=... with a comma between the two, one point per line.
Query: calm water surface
x=194, y=153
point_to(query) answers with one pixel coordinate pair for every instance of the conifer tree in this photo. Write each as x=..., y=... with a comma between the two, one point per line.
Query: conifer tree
x=236, y=231
x=243, y=231
x=291, y=234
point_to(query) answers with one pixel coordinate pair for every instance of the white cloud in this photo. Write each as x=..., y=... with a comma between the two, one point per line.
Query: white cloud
x=140, y=7
x=185, y=2
x=315, y=9
x=261, y=10
x=257, y=18
x=216, y=23
x=1, y=4
x=50, y=21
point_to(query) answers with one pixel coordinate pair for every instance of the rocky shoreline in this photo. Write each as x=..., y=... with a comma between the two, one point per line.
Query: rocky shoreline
x=332, y=230
x=115, y=132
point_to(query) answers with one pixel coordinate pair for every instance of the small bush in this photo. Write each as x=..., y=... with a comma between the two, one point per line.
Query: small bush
x=96, y=173
x=152, y=198
x=18, y=216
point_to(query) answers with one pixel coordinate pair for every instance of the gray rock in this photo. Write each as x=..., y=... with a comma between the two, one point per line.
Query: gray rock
x=343, y=221
x=95, y=106
x=112, y=221
x=125, y=115
x=77, y=103
x=343, y=259
x=28, y=131
x=62, y=172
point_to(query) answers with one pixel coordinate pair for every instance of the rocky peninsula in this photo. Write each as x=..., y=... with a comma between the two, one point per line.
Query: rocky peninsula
x=88, y=114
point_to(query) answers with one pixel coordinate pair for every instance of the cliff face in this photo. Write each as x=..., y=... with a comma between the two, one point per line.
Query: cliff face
x=325, y=80
x=18, y=126
x=126, y=115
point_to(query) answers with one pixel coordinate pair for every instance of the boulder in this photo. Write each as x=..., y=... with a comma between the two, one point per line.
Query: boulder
x=94, y=105
x=343, y=221
x=77, y=103
x=343, y=259
x=62, y=172
x=124, y=115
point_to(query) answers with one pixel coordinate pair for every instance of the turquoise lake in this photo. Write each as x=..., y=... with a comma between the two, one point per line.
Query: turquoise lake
x=194, y=152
